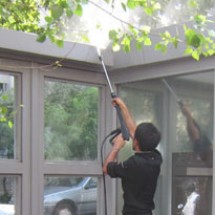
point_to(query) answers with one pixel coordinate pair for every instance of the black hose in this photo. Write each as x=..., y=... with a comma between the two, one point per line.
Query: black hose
x=114, y=133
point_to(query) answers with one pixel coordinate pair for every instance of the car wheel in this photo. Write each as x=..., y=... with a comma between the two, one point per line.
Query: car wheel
x=64, y=208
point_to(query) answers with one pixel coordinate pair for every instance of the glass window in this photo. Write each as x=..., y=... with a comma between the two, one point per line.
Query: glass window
x=8, y=195
x=9, y=115
x=192, y=152
x=71, y=121
x=144, y=101
x=182, y=107
x=70, y=195
x=192, y=195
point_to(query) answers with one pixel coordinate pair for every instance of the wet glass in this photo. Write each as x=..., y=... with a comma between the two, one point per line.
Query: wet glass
x=182, y=107
x=144, y=100
x=192, y=195
x=8, y=194
x=192, y=151
x=70, y=195
x=10, y=112
x=71, y=121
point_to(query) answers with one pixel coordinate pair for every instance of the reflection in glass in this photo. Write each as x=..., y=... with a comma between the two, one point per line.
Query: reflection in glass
x=9, y=111
x=8, y=196
x=192, y=151
x=191, y=195
x=70, y=195
x=71, y=121
x=185, y=118
x=194, y=125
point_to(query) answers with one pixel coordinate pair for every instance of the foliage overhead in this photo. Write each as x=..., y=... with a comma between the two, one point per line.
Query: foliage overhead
x=48, y=19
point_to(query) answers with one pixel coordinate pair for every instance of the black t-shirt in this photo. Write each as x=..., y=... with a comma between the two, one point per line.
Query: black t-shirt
x=139, y=176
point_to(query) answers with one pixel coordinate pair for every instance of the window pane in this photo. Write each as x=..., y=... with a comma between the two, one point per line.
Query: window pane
x=8, y=196
x=71, y=121
x=70, y=195
x=192, y=195
x=144, y=101
x=185, y=109
x=192, y=152
x=194, y=119
x=9, y=117
x=143, y=104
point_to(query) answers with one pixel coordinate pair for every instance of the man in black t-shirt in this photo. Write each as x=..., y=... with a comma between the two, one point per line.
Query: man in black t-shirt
x=140, y=172
x=203, y=151
x=201, y=144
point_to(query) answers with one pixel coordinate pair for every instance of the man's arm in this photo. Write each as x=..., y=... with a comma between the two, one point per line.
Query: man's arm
x=118, y=143
x=130, y=123
x=191, y=126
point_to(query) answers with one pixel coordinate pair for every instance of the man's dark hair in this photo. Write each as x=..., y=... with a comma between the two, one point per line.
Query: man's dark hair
x=147, y=136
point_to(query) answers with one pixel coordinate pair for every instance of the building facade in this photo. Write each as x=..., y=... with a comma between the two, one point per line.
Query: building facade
x=57, y=109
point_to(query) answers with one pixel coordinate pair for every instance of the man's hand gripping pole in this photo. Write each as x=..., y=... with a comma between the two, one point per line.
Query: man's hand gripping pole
x=124, y=130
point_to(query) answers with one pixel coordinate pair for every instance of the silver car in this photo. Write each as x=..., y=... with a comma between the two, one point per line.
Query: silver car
x=78, y=199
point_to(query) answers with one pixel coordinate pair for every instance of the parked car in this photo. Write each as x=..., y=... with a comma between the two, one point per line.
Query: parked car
x=79, y=199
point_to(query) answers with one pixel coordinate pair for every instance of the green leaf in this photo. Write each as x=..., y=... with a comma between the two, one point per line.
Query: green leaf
x=3, y=110
x=69, y=12
x=10, y=124
x=56, y=11
x=200, y=19
x=188, y=51
x=79, y=10
x=192, y=4
x=161, y=47
x=195, y=42
x=126, y=42
x=193, y=38
x=85, y=38
x=3, y=119
x=63, y=3
x=60, y=43
x=49, y=19
x=113, y=35
x=196, y=55
x=133, y=30
x=131, y=4
x=149, y=11
x=4, y=97
x=175, y=42
x=147, y=41
x=139, y=45
x=41, y=38
x=211, y=52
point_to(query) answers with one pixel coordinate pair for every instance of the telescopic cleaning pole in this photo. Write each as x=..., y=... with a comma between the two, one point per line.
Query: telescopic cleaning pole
x=124, y=130
x=172, y=92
